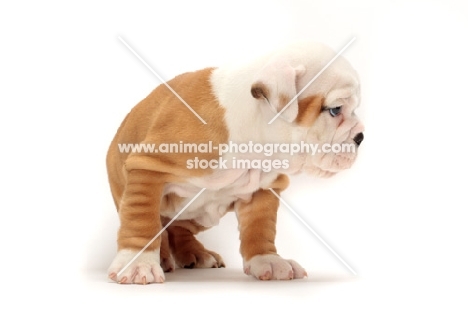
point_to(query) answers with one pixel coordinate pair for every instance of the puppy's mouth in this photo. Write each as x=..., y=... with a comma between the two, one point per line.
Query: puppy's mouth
x=327, y=165
x=319, y=172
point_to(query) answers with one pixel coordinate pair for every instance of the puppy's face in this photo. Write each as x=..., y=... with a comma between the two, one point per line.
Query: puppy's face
x=336, y=131
x=324, y=113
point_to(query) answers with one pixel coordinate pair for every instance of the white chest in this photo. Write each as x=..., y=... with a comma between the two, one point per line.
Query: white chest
x=223, y=187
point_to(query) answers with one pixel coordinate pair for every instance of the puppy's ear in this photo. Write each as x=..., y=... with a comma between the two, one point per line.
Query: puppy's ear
x=276, y=85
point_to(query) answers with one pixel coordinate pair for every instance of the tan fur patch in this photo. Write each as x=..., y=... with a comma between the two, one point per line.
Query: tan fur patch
x=162, y=118
x=137, y=179
x=188, y=252
x=309, y=110
x=165, y=251
x=139, y=210
x=257, y=220
x=280, y=183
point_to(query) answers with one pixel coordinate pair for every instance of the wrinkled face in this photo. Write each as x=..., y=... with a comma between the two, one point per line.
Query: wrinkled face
x=336, y=131
x=323, y=113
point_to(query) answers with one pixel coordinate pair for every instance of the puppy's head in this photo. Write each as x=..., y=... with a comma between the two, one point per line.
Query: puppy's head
x=324, y=110
x=333, y=127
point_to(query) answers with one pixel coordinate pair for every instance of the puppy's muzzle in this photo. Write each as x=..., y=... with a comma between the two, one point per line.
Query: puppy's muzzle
x=358, y=138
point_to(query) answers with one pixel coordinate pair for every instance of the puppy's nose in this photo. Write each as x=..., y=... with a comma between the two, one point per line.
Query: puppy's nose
x=358, y=138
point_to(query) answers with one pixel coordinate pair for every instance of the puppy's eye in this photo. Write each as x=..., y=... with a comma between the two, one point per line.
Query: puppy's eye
x=335, y=111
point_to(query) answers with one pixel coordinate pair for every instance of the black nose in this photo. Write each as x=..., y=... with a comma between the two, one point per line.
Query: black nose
x=358, y=138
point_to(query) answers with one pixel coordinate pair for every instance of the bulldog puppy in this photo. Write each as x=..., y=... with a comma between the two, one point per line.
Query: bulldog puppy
x=238, y=103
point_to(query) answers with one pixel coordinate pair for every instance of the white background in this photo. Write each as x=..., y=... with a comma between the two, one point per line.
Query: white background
x=397, y=217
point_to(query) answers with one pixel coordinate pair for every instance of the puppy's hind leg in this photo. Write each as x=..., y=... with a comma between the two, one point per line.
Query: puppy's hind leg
x=167, y=261
x=188, y=252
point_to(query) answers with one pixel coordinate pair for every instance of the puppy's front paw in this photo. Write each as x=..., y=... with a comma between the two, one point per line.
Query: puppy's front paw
x=273, y=267
x=144, y=270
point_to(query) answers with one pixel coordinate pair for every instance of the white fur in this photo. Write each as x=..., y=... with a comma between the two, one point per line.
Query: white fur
x=247, y=120
x=145, y=269
x=222, y=188
x=273, y=267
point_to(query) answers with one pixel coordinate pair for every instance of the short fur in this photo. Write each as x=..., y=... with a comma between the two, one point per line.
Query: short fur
x=237, y=102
